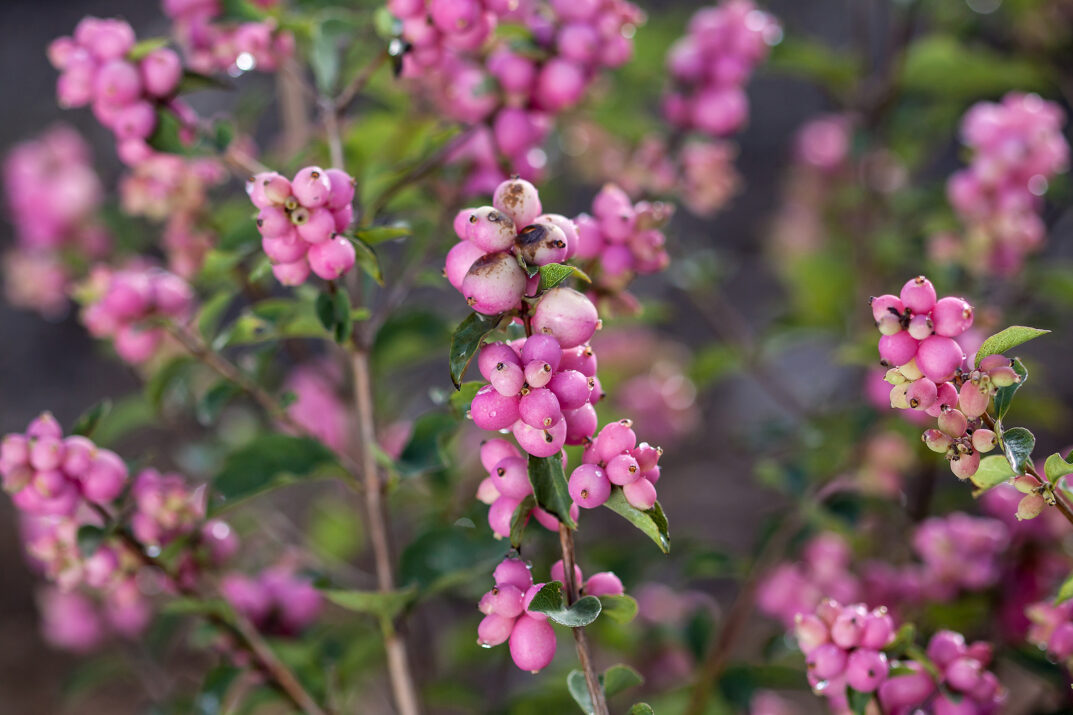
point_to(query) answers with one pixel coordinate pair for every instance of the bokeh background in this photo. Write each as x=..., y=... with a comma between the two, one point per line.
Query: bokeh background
x=709, y=488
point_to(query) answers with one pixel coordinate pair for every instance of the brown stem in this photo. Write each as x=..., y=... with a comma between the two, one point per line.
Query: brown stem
x=231, y=372
x=596, y=691
x=402, y=682
x=294, y=93
x=330, y=117
x=352, y=90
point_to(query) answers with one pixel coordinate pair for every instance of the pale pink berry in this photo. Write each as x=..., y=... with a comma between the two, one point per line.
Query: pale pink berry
x=965, y=465
x=490, y=230
x=287, y=248
x=459, y=259
x=920, y=327
x=135, y=344
x=312, y=188
x=866, y=669
x=161, y=72
x=273, y=222
x=461, y=223
x=921, y=394
x=951, y=316
x=332, y=258
x=494, y=451
x=540, y=244
x=105, y=478
x=953, y=423
x=972, y=400
x=906, y=691
x=134, y=121
x=292, y=274
x=937, y=441
x=604, y=583
x=991, y=362
x=494, y=284
x=540, y=442
x=810, y=632
x=494, y=629
x=569, y=229
x=44, y=425
x=939, y=357
x=984, y=440
x=511, y=477
x=1003, y=376
x=641, y=494
x=946, y=397
x=318, y=227
x=538, y=374
x=887, y=306
x=486, y=491
x=500, y=514
x=532, y=644
x=518, y=199
x=492, y=411
x=566, y=315
x=589, y=486
x=540, y=408
x=341, y=193
x=1030, y=507
x=918, y=295
x=507, y=378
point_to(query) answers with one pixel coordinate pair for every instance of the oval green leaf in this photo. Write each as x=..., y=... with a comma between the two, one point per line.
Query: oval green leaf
x=1007, y=339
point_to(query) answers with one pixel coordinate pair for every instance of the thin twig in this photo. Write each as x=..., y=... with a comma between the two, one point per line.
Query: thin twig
x=592, y=681
x=352, y=90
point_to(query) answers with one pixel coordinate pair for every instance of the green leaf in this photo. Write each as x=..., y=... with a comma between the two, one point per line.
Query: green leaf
x=367, y=259
x=994, y=470
x=652, y=522
x=461, y=399
x=213, y=402
x=1018, y=443
x=89, y=539
x=816, y=61
x=941, y=66
x=1065, y=591
x=1004, y=396
x=325, y=308
x=641, y=709
x=196, y=82
x=268, y=462
x=91, y=418
x=550, y=601
x=212, y=312
x=903, y=638
x=519, y=519
x=621, y=608
x=549, y=487
x=1057, y=467
x=145, y=47
x=1006, y=340
x=165, y=137
x=858, y=701
x=466, y=341
x=387, y=25
x=618, y=678
x=553, y=274
x=381, y=604
x=579, y=690
x=333, y=312
x=191, y=606
x=324, y=53
x=379, y=234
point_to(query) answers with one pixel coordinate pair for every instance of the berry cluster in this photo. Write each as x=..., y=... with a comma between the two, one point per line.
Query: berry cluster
x=615, y=457
x=507, y=615
x=843, y=646
x=79, y=621
x=301, y=222
x=1051, y=628
x=959, y=552
x=1018, y=148
x=485, y=264
x=792, y=589
x=622, y=238
x=506, y=485
x=965, y=684
x=278, y=601
x=211, y=45
x=928, y=369
x=124, y=92
x=165, y=508
x=52, y=193
x=712, y=63
x=571, y=42
x=49, y=475
x=122, y=305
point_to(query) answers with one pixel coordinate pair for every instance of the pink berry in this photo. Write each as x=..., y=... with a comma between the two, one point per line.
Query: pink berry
x=939, y=357
x=946, y=397
x=540, y=244
x=341, y=192
x=332, y=258
x=318, y=227
x=571, y=388
x=105, y=478
x=589, y=486
x=161, y=71
x=604, y=583
x=492, y=411
x=532, y=644
x=951, y=316
x=615, y=438
x=887, y=305
x=311, y=187
x=897, y=349
x=500, y=514
x=866, y=669
x=826, y=661
x=518, y=199
x=878, y=630
x=580, y=424
x=623, y=469
x=459, y=259
x=494, y=451
x=965, y=465
x=566, y=315
x=558, y=573
x=539, y=408
x=292, y=274
x=486, y=491
x=514, y=572
x=540, y=442
x=490, y=229
x=848, y=627
x=922, y=394
x=918, y=295
x=810, y=632
x=580, y=358
x=542, y=348
x=507, y=378
x=972, y=400
x=953, y=423
x=117, y=83
x=569, y=229
x=46, y=453
x=273, y=222
x=984, y=440
x=506, y=600
x=511, y=477
x=641, y=494
x=494, y=629
x=538, y=374
x=920, y=327
x=287, y=248
x=494, y=284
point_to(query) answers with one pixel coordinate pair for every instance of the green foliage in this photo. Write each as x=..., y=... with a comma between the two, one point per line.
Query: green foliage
x=1065, y=591
x=621, y=608
x=1006, y=340
x=553, y=274
x=89, y=539
x=943, y=68
x=91, y=418
x=1057, y=467
x=1004, y=396
x=269, y=462
x=519, y=519
x=652, y=522
x=381, y=604
x=1018, y=443
x=550, y=600
x=994, y=470
x=550, y=488
x=333, y=311
x=614, y=680
x=424, y=452
x=467, y=340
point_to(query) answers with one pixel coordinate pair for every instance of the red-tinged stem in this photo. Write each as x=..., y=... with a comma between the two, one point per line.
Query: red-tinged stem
x=592, y=681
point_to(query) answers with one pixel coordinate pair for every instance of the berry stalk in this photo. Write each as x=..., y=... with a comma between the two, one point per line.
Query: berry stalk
x=596, y=691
